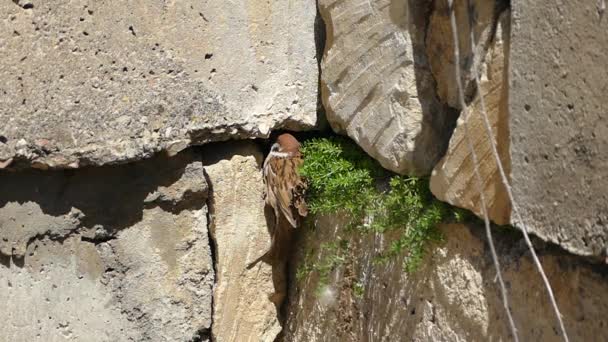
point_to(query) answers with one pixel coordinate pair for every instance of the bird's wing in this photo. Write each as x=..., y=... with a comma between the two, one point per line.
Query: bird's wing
x=299, y=201
x=280, y=184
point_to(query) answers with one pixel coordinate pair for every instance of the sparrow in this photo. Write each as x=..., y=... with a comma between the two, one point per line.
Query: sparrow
x=284, y=186
x=284, y=195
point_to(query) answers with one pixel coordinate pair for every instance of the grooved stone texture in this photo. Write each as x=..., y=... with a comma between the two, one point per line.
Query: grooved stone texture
x=101, y=82
x=242, y=311
x=452, y=297
x=377, y=85
x=114, y=253
x=558, y=122
x=453, y=179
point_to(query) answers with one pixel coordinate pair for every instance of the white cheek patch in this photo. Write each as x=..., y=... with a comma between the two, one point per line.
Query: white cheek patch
x=280, y=154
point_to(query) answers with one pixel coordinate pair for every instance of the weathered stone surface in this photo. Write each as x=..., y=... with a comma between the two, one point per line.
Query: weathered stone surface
x=452, y=297
x=377, y=86
x=453, y=179
x=440, y=44
x=110, y=253
x=558, y=124
x=91, y=83
x=242, y=310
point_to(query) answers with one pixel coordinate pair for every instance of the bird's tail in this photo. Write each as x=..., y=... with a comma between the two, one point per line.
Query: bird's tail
x=264, y=258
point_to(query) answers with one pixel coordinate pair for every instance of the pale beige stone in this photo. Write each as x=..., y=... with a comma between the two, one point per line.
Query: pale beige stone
x=374, y=87
x=558, y=122
x=453, y=180
x=242, y=310
x=110, y=81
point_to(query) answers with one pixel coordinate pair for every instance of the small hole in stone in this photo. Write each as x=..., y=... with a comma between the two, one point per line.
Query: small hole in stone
x=132, y=31
x=527, y=107
x=124, y=69
x=213, y=70
x=3, y=139
x=570, y=106
x=28, y=6
x=81, y=19
x=254, y=87
x=208, y=55
x=85, y=33
x=413, y=312
x=526, y=159
x=90, y=12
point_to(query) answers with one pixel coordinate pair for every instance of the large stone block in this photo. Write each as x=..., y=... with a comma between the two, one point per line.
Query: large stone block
x=91, y=83
x=453, y=179
x=111, y=253
x=558, y=122
x=242, y=310
x=377, y=86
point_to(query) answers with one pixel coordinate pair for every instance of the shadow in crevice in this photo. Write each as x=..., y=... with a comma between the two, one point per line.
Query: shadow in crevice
x=320, y=33
x=278, y=256
x=438, y=119
x=5, y=260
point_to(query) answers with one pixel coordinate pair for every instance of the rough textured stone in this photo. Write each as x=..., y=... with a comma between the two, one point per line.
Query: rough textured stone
x=90, y=83
x=377, y=86
x=452, y=297
x=440, y=44
x=109, y=253
x=453, y=179
x=242, y=310
x=558, y=124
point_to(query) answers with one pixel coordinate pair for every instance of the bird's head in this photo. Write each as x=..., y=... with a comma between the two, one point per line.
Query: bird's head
x=286, y=143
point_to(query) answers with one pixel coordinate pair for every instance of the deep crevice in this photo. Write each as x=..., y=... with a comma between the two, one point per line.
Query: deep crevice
x=320, y=36
x=208, y=332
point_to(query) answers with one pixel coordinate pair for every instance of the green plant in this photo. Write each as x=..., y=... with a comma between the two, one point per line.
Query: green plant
x=342, y=178
x=358, y=289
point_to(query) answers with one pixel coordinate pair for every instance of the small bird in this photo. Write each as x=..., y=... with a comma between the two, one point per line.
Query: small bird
x=285, y=191
x=284, y=186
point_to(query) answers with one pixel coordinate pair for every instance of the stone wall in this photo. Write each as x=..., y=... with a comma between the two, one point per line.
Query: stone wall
x=109, y=253
x=558, y=124
x=92, y=83
x=540, y=78
x=242, y=311
x=453, y=297
x=113, y=226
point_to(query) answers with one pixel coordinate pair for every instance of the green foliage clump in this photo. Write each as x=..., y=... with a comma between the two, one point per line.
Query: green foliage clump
x=339, y=178
x=342, y=178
